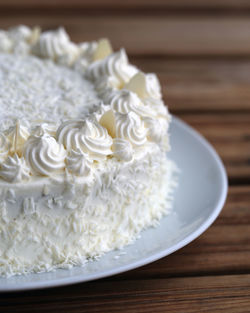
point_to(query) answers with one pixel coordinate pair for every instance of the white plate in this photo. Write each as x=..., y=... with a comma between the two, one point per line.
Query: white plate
x=198, y=200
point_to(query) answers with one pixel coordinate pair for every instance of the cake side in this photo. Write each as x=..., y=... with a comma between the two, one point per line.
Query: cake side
x=76, y=221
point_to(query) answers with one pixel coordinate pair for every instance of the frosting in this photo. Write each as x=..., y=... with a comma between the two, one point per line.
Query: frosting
x=15, y=169
x=86, y=135
x=158, y=106
x=124, y=101
x=44, y=155
x=78, y=163
x=146, y=86
x=20, y=33
x=17, y=135
x=4, y=147
x=122, y=149
x=59, y=228
x=5, y=42
x=104, y=86
x=37, y=91
x=57, y=46
x=86, y=52
x=157, y=129
x=130, y=127
x=44, y=128
x=115, y=65
x=18, y=39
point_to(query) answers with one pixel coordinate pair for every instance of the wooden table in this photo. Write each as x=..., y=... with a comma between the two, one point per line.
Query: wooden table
x=201, y=52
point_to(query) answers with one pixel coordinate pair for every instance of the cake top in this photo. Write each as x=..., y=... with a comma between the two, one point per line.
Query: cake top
x=37, y=91
x=66, y=108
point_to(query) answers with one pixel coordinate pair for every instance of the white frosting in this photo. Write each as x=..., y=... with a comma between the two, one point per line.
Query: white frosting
x=158, y=106
x=78, y=163
x=57, y=46
x=15, y=169
x=157, y=128
x=123, y=149
x=20, y=33
x=65, y=228
x=104, y=86
x=86, y=52
x=44, y=128
x=18, y=40
x=130, y=127
x=5, y=42
x=4, y=147
x=44, y=155
x=37, y=91
x=86, y=135
x=115, y=65
x=146, y=86
x=125, y=101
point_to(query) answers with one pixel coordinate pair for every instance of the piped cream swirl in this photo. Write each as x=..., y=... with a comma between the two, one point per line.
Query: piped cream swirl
x=57, y=46
x=44, y=155
x=44, y=128
x=86, y=135
x=78, y=163
x=15, y=169
x=123, y=149
x=130, y=127
x=157, y=129
x=125, y=101
x=115, y=65
x=6, y=43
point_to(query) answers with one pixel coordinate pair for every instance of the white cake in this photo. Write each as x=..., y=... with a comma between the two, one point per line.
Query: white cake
x=83, y=141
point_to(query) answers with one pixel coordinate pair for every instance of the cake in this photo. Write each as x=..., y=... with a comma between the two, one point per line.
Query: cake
x=83, y=142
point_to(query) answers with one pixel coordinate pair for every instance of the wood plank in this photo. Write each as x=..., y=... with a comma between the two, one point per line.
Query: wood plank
x=200, y=294
x=201, y=84
x=147, y=35
x=131, y=4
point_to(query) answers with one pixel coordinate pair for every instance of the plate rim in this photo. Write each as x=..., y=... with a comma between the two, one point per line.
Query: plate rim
x=154, y=256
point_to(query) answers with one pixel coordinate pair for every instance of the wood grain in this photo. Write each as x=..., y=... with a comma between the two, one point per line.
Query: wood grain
x=150, y=35
x=199, y=84
x=131, y=4
x=192, y=294
x=230, y=136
